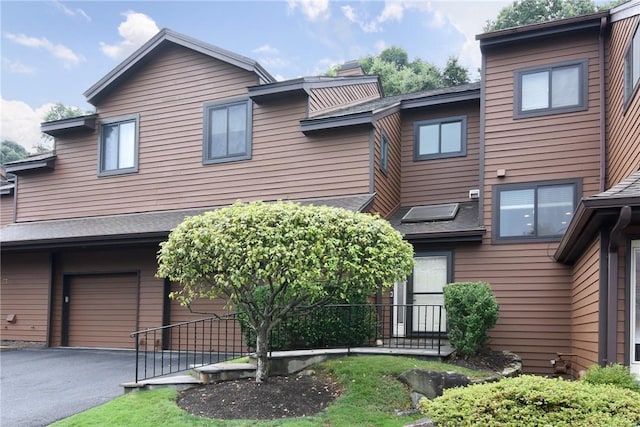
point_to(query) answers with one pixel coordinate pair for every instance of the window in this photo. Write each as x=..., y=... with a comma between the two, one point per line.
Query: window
x=632, y=67
x=437, y=139
x=227, y=131
x=118, y=145
x=557, y=88
x=384, y=152
x=534, y=211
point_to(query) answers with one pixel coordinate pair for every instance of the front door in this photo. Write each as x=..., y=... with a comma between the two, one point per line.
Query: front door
x=424, y=312
x=634, y=306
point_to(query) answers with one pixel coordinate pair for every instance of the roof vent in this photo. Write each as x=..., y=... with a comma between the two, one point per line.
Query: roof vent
x=443, y=212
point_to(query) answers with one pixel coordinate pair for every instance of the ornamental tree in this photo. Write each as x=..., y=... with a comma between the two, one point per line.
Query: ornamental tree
x=299, y=255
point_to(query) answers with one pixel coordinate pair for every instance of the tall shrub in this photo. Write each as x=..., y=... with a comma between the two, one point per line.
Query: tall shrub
x=471, y=311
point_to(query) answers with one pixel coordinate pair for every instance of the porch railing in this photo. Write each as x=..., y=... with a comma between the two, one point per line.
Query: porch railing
x=183, y=346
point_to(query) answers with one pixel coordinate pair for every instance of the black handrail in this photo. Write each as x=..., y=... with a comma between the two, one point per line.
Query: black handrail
x=185, y=345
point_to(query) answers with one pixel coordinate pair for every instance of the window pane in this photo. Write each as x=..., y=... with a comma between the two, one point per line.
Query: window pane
x=429, y=274
x=126, y=158
x=555, y=208
x=237, y=129
x=565, y=87
x=517, y=213
x=428, y=142
x=110, y=147
x=218, y=137
x=535, y=91
x=384, y=153
x=451, y=137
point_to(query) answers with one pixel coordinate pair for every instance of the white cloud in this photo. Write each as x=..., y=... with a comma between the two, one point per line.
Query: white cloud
x=135, y=30
x=72, y=12
x=20, y=123
x=274, y=62
x=350, y=13
x=314, y=10
x=266, y=49
x=68, y=57
x=393, y=11
x=16, y=67
x=381, y=45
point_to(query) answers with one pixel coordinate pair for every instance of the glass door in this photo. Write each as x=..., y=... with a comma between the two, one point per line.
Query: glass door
x=430, y=274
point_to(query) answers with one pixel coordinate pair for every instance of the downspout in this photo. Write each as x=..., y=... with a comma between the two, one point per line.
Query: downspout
x=603, y=117
x=612, y=284
x=15, y=199
x=481, y=155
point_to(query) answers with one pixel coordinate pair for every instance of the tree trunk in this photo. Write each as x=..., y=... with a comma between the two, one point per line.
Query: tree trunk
x=262, y=371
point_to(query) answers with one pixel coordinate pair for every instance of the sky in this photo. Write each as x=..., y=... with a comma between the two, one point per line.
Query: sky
x=53, y=51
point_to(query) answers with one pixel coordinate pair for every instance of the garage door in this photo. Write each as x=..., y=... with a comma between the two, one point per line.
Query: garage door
x=100, y=310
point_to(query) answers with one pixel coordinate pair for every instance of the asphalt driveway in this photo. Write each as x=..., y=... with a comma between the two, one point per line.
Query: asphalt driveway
x=40, y=386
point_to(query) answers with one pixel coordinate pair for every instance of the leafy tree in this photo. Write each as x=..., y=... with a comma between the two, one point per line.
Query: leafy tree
x=11, y=151
x=525, y=12
x=61, y=111
x=398, y=75
x=295, y=254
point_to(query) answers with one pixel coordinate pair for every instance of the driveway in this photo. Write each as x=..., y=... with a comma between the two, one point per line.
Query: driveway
x=40, y=386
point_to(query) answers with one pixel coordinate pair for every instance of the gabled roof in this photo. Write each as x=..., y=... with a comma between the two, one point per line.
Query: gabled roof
x=594, y=211
x=368, y=111
x=136, y=227
x=165, y=36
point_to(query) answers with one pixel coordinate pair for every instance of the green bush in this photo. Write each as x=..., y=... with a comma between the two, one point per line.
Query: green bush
x=616, y=374
x=534, y=401
x=471, y=311
x=348, y=321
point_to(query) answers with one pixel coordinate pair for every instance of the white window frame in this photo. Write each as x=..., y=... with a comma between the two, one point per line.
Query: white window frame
x=632, y=67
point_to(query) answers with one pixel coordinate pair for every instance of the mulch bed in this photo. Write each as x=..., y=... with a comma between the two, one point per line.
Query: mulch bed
x=298, y=395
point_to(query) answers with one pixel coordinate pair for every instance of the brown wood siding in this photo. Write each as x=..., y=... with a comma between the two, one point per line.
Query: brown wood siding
x=213, y=335
x=325, y=99
x=440, y=180
x=623, y=124
x=141, y=261
x=102, y=310
x=387, y=185
x=585, y=292
x=534, y=292
x=169, y=93
x=24, y=290
x=6, y=209
x=534, y=297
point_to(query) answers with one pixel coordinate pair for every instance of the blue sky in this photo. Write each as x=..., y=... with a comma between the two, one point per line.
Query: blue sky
x=52, y=51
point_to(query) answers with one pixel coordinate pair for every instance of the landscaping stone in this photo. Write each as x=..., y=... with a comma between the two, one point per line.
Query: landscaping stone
x=422, y=422
x=432, y=383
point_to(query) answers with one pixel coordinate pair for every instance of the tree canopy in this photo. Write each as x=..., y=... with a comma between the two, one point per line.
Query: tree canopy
x=525, y=12
x=399, y=75
x=296, y=254
x=11, y=151
x=61, y=111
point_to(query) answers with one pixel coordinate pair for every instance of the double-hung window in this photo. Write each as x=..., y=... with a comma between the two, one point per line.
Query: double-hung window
x=632, y=67
x=441, y=138
x=557, y=88
x=384, y=152
x=227, y=131
x=534, y=211
x=118, y=145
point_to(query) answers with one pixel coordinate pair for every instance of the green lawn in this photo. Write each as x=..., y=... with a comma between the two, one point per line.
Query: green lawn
x=372, y=394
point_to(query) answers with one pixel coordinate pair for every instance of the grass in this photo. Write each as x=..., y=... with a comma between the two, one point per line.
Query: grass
x=372, y=394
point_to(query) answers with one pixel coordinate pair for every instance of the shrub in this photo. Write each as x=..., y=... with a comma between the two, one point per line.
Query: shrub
x=534, y=401
x=471, y=311
x=320, y=327
x=616, y=374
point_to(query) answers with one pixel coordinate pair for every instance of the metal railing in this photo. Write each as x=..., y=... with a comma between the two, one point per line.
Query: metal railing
x=183, y=346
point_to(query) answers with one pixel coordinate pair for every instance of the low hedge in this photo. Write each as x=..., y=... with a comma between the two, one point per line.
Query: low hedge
x=615, y=374
x=535, y=401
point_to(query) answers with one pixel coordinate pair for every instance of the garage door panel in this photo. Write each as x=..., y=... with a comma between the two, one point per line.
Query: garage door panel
x=103, y=310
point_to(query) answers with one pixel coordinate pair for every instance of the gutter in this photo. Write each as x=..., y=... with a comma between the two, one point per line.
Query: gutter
x=611, y=318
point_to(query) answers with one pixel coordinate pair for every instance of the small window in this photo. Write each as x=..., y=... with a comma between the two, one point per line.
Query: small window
x=437, y=139
x=227, y=131
x=558, y=88
x=118, y=145
x=534, y=211
x=632, y=67
x=384, y=152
